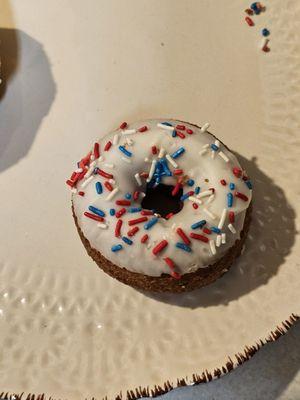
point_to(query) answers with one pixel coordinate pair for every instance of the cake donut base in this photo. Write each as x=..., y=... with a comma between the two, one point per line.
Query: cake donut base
x=166, y=283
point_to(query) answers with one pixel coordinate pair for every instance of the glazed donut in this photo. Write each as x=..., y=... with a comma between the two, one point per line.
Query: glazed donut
x=161, y=205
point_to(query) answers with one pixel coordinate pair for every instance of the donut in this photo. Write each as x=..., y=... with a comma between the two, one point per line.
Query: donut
x=161, y=205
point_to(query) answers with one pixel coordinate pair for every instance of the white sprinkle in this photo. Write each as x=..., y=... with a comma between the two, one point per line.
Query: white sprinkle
x=126, y=160
x=74, y=190
x=109, y=165
x=92, y=158
x=149, y=245
x=209, y=213
x=112, y=193
x=213, y=154
x=78, y=170
x=222, y=219
x=217, y=143
x=129, y=141
x=138, y=179
x=90, y=170
x=195, y=200
x=101, y=158
x=112, y=181
x=204, y=194
x=206, y=146
x=151, y=172
x=231, y=228
x=102, y=225
x=87, y=181
x=171, y=161
x=161, y=152
x=128, y=131
x=212, y=247
x=222, y=155
x=142, y=194
x=116, y=139
x=202, y=152
x=166, y=127
x=218, y=240
x=210, y=199
x=223, y=238
x=205, y=127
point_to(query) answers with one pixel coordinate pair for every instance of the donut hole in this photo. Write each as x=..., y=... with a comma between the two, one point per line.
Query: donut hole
x=160, y=200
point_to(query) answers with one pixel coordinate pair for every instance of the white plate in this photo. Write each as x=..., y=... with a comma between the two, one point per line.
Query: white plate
x=66, y=328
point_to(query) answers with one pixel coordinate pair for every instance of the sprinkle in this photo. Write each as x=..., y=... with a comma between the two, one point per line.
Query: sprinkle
x=112, y=212
x=170, y=215
x=129, y=131
x=183, y=246
x=99, y=189
x=265, y=32
x=136, y=195
x=264, y=45
x=112, y=194
x=191, y=182
x=214, y=147
x=151, y=223
x=222, y=155
x=180, y=127
x=212, y=247
x=197, y=190
x=231, y=216
x=102, y=225
x=210, y=199
x=123, y=125
x=125, y=151
x=183, y=236
x=249, y=11
x=241, y=196
x=129, y=141
x=143, y=129
x=81, y=193
x=223, y=182
x=152, y=170
x=171, y=161
x=207, y=231
x=107, y=146
x=96, y=150
x=229, y=199
x=195, y=206
x=237, y=172
x=198, y=224
x=116, y=248
x=133, y=231
x=205, y=127
x=116, y=139
x=97, y=211
x=177, y=172
x=249, y=21
x=204, y=194
x=223, y=238
x=209, y=213
x=70, y=183
x=108, y=186
x=154, y=150
x=93, y=216
x=164, y=125
x=174, y=134
x=134, y=209
x=147, y=212
x=180, y=134
x=127, y=240
x=186, y=195
x=137, y=221
x=159, y=247
x=118, y=228
x=195, y=200
x=189, y=131
x=231, y=228
x=127, y=160
x=144, y=238
x=178, y=152
x=216, y=230
x=231, y=186
x=123, y=202
x=86, y=182
x=104, y=174
x=161, y=152
x=222, y=219
x=249, y=184
x=199, y=237
x=120, y=212
x=202, y=152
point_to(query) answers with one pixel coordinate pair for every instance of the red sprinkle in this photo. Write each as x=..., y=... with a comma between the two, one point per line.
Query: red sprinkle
x=133, y=231
x=136, y=195
x=144, y=238
x=170, y=215
x=237, y=172
x=74, y=174
x=144, y=174
x=137, y=221
x=147, y=212
x=118, y=228
x=107, y=146
x=249, y=21
x=180, y=127
x=212, y=190
x=154, y=149
x=175, y=275
x=249, y=11
x=108, y=186
x=180, y=134
x=223, y=182
x=96, y=150
x=93, y=216
x=199, y=237
x=105, y=174
x=189, y=131
x=245, y=178
x=81, y=193
x=123, y=125
x=120, y=212
x=176, y=189
x=123, y=202
x=143, y=129
x=159, y=247
x=169, y=262
x=86, y=159
x=207, y=231
x=241, y=196
x=70, y=183
x=195, y=206
x=231, y=216
x=183, y=236
x=177, y=172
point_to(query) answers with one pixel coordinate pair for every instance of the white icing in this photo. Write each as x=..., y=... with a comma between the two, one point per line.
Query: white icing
x=139, y=257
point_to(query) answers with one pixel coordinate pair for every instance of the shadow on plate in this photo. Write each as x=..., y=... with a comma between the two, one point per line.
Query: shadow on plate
x=270, y=239
x=26, y=93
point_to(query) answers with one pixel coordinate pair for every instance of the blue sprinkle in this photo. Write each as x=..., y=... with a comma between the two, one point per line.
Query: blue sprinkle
x=167, y=172
x=197, y=190
x=116, y=247
x=167, y=123
x=249, y=184
x=174, y=134
x=150, y=223
x=127, y=240
x=215, y=229
x=255, y=8
x=198, y=224
x=183, y=246
x=185, y=196
x=97, y=211
x=135, y=209
x=191, y=182
x=231, y=186
x=178, y=152
x=128, y=196
x=229, y=199
x=124, y=151
x=95, y=170
x=265, y=32
x=112, y=211
x=99, y=189
x=214, y=147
